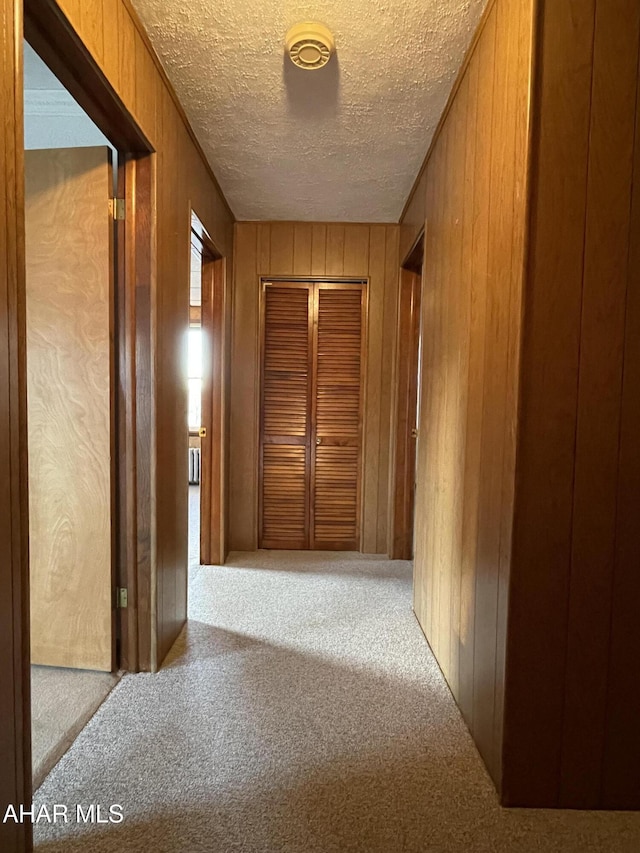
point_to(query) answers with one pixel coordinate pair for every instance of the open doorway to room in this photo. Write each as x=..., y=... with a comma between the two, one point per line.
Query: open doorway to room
x=70, y=178
x=205, y=376
x=407, y=414
x=88, y=261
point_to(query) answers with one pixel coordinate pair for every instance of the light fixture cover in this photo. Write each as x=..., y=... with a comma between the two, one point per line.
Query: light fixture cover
x=310, y=45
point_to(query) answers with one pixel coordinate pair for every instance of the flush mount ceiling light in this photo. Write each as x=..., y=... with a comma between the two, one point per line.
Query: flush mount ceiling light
x=309, y=45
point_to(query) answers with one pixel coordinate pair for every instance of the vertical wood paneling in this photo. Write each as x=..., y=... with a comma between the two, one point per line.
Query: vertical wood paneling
x=126, y=55
x=276, y=249
x=281, y=249
x=318, y=249
x=111, y=39
x=567, y=686
x=302, y=233
x=263, y=257
x=602, y=337
x=474, y=195
x=622, y=753
x=547, y=419
x=356, y=249
x=145, y=91
x=335, y=249
x=473, y=275
x=92, y=28
x=244, y=391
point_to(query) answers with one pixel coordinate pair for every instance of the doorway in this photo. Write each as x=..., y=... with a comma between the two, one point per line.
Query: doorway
x=407, y=414
x=313, y=349
x=205, y=376
x=70, y=177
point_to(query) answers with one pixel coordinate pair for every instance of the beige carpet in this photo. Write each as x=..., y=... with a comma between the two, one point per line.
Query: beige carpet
x=301, y=711
x=62, y=702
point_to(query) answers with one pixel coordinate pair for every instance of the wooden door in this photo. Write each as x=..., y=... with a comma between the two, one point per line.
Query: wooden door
x=69, y=286
x=311, y=415
x=212, y=511
x=407, y=405
x=336, y=417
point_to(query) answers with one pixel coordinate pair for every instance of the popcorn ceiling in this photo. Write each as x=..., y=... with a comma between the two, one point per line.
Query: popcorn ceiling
x=343, y=143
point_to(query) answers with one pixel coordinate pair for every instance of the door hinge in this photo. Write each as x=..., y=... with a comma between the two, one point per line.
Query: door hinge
x=122, y=598
x=117, y=208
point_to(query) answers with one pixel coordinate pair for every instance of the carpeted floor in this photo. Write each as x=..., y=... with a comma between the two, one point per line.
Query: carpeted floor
x=301, y=711
x=62, y=701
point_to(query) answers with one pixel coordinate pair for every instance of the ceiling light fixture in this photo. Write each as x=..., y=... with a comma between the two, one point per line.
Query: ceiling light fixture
x=310, y=45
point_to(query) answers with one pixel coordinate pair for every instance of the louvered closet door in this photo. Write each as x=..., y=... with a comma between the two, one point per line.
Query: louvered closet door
x=337, y=417
x=311, y=426
x=286, y=409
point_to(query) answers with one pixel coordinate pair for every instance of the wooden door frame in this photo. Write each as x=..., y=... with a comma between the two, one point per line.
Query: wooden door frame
x=54, y=39
x=212, y=492
x=402, y=497
x=48, y=31
x=363, y=281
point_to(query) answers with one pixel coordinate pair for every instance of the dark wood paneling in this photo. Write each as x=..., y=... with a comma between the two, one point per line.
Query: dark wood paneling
x=473, y=275
x=622, y=752
x=600, y=371
x=540, y=584
x=15, y=732
x=566, y=683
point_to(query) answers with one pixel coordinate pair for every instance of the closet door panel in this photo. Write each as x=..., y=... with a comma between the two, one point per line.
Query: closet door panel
x=337, y=417
x=285, y=416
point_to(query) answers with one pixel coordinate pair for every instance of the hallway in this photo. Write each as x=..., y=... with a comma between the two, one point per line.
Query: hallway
x=300, y=711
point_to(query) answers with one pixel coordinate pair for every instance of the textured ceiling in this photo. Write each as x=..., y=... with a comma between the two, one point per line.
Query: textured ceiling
x=343, y=143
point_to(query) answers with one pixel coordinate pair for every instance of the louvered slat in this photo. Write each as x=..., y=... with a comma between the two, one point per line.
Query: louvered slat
x=285, y=418
x=337, y=410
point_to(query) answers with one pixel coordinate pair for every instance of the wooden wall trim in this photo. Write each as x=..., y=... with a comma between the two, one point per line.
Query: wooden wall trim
x=15, y=732
x=52, y=35
x=452, y=96
x=180, y=109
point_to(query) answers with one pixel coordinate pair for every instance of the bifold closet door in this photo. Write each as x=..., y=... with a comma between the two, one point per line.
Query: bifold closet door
x=311, y=415
x=337, y=417
x=286, y=409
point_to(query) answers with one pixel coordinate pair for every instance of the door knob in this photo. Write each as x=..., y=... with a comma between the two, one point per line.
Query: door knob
x=414, y=433
x=318, y=440
x=202, y=432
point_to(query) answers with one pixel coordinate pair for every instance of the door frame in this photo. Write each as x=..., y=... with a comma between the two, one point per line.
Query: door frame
x=312, y=279
x=213, y=508
x=43, y=24
x=407, y=395
x=52, y=37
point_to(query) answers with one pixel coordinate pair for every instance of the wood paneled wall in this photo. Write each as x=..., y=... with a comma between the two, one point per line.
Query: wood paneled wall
x=573, y=693
x=313, y=249
x=111, y=31
x=528, y=544
x=475, y=207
